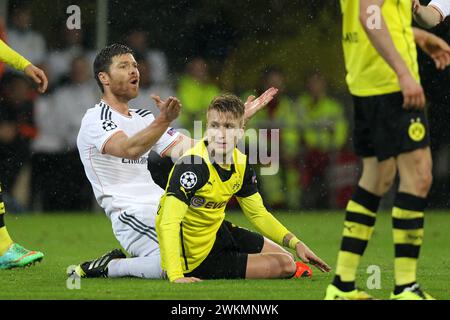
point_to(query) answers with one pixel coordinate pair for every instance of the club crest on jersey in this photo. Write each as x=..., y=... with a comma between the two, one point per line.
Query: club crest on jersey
x=237, y=184
x=188, y=180
x=197, y=202
x=109, y=125
x=417, y=130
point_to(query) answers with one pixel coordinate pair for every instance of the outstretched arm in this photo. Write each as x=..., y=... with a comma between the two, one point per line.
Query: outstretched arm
x=122, y=146
x=271, y=228
x=15, y=60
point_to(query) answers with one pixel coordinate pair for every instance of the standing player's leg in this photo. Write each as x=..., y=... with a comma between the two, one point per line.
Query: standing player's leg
x=13, y=255
x=408, y=220
x=376, y=180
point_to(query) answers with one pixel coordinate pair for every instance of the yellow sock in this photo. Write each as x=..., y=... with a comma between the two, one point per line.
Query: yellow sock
x=5, y=239
x=358, y=229
x=408, y=221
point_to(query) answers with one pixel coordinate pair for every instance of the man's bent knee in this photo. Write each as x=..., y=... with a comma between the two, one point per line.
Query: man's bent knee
x=288, y=266
x=423, y=184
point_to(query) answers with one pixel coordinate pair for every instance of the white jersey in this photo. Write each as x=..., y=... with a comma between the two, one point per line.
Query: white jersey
x=443, y=6
x=118, y=183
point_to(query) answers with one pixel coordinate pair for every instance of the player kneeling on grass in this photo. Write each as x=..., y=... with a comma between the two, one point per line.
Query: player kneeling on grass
x=195, y=240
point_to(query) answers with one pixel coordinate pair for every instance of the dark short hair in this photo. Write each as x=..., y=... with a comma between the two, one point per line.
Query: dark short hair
x=228, y=103
x=104, y=59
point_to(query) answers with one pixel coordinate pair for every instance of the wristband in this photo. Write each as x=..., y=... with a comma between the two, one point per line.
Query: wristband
x=293, y=242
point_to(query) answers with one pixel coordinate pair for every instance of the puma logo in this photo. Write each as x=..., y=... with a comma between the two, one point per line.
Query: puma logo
x=349, y=227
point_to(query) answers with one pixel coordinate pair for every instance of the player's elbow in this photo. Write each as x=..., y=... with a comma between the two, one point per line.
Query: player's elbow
x=132, y=154
x=434, y=17
x=428, y=18
x=426, y=22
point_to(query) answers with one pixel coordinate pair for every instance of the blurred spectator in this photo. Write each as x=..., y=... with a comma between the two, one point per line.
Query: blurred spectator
x=139, y=42
x=21, y=36
x=16, y=127
x=60, y=59
x=147, y=87
x=59, y=119
x=325, y=132
x=281, y=190
x=47, y=182
x=196, y=91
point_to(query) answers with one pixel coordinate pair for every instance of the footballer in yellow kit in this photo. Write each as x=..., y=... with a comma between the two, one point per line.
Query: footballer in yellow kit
x=195, y=240
x=13, y=255
x=390, y=135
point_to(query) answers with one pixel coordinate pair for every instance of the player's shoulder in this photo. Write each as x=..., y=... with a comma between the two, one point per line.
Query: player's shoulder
x=99, y=112
x=191, y=171
x=192, y=163
x=143, y=113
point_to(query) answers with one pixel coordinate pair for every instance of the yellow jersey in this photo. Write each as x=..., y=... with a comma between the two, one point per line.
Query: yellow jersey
x=368, y=74
x=12, y=58
x=193, y=208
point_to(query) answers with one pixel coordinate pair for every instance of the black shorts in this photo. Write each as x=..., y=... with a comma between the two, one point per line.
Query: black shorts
x=228, y=256
x=383, y=129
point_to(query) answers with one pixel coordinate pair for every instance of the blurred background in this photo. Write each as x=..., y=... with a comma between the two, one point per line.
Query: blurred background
x=195, y=50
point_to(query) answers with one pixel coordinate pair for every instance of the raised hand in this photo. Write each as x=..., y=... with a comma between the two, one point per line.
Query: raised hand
x=253, y=105
x=169, y=109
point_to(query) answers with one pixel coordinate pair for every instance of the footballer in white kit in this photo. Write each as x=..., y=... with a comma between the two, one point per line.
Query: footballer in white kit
x=114, y=143
x=124, y=188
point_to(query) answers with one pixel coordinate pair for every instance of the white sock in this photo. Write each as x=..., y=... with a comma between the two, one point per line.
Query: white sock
x=140, y=267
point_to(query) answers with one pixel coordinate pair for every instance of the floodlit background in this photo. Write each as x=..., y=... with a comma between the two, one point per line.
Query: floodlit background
x=194, y=50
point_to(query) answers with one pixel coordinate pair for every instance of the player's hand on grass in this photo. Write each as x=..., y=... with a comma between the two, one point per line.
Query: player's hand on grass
x=187, y=280
x=437, y=49
x=169, y=109
x=308, y=256
x=413, y=95
x=253, y=104
x=38, y=76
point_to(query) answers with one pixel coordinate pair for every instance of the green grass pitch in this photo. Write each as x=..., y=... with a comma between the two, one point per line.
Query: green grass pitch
x=70, y=239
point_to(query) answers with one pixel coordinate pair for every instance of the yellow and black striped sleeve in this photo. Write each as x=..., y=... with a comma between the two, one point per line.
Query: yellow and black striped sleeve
x=12, y=58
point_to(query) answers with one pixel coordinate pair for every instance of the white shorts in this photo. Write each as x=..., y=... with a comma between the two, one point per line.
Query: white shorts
x=134, y=228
